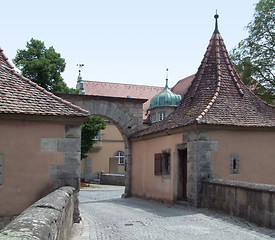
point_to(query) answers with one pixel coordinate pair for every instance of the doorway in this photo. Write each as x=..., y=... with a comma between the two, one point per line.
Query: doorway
x=182, y=174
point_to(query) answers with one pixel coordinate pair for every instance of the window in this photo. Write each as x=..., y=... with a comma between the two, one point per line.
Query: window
x=97, y=137
x=234, y=163
x=166, y=163
x=162, y=163
x=120, y=157
x=161, y=116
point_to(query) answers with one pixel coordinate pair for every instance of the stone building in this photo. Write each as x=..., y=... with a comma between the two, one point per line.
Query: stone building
x=220, y=130
x=39, y=141
x=108, y=154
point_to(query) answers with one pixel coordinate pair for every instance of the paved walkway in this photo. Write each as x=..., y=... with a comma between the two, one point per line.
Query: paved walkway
x=108, y=216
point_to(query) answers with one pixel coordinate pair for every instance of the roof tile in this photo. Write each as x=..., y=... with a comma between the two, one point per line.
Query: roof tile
x=19, y=95
x=217, y=96
x=122, y=90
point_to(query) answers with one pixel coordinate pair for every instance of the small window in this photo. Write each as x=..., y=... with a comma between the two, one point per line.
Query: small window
x=98, y=137
x=166, y=163
x=161, y=116
x=162, y=163
x=153, y=117
x=120, y=157
x=234, y=163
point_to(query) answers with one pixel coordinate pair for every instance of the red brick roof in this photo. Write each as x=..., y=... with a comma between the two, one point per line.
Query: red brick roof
x=122, y=90
x=19, y=95
x=217, y=96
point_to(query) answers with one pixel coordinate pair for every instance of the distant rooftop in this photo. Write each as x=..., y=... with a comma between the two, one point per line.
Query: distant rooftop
x=122, y=90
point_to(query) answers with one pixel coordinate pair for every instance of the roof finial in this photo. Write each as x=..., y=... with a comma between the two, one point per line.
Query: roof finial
x=166, y=78
x=79, y=84
x=216, y=24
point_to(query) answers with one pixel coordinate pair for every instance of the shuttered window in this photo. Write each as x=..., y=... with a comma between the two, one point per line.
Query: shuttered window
x=158, y=164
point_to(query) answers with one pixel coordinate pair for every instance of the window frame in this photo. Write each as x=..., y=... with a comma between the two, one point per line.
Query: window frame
x=161, y=116
x=234, y=163
x=162, y=163
x=119, y=157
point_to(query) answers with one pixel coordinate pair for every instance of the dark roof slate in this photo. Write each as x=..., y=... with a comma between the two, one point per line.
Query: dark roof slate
x=217, y=96
x=19, y=95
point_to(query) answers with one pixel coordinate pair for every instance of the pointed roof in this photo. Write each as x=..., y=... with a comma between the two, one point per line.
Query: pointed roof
x=19, y=95
x=217, y=96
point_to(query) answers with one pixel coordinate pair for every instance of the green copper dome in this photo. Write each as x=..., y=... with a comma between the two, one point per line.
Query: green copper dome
x=166, y=98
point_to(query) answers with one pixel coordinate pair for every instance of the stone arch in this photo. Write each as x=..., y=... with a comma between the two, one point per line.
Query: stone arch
x=125, y=113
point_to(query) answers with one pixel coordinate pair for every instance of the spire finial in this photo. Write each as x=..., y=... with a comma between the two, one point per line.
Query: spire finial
x=216, y=24
x=166, y=78
x=79, y=84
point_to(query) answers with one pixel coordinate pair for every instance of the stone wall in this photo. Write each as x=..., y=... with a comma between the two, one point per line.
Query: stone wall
x=254, y=202
x=199, y=164
x=49, y=218
x=112, y=179
x=69, y=173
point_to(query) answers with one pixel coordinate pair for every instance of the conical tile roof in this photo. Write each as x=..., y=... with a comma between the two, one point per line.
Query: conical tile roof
x=217, y=96
x=19, y=95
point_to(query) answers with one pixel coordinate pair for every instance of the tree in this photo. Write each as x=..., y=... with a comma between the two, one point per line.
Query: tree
x=254, y=56
x=43, y=66
x=90, y=130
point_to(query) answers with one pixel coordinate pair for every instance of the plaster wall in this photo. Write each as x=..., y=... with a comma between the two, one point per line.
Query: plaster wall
x=257, y=155
x=143, y=181
x=26, y=169
x=111, y=142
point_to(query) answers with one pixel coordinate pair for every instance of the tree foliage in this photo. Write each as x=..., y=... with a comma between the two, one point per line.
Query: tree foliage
x=254, y=56
x=90, y=130
x=43, y=66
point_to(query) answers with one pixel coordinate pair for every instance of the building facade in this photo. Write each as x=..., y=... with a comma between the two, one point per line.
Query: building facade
x=220, y=130
x=39, y=141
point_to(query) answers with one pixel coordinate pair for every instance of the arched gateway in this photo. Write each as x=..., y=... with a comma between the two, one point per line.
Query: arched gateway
x=125, y=113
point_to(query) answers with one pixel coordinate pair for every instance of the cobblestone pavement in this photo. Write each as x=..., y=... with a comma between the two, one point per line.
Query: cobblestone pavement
x=108, y=216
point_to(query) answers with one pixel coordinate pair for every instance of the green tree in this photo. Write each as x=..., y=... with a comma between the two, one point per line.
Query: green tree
x=43, y=66
x=254, y=56
x=90, y=130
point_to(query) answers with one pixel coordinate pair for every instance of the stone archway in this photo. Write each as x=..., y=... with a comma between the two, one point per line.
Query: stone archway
x=125, y=113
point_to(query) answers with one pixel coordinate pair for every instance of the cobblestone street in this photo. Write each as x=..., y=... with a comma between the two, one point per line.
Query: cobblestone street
x=108, y=216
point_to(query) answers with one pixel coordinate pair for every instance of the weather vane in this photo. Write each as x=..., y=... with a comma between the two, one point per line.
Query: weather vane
x=80, y=65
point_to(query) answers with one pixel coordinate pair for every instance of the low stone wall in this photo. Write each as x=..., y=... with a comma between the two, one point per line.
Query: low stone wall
x=112, y=179
x=253, y=202
x=50, y=217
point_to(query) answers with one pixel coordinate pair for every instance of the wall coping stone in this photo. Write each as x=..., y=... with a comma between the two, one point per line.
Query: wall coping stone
x=243, y=185
x=48, y=218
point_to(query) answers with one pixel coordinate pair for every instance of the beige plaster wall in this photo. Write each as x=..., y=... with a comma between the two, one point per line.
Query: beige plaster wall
x=143, y=181
x=26, y=169
x=112, y=141
x=257, y=155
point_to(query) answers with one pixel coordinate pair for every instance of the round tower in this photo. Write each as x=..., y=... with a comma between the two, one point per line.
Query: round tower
x=162, y=104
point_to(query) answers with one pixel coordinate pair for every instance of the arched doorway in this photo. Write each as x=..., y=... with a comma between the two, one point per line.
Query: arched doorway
x=125, y=113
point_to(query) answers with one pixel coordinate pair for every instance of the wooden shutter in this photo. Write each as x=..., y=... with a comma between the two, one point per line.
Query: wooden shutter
x=158, y=164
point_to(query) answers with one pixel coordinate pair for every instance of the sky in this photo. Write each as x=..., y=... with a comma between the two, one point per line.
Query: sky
x=124, y=41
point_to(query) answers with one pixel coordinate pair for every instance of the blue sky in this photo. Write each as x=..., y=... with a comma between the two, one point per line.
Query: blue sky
x=124, y=41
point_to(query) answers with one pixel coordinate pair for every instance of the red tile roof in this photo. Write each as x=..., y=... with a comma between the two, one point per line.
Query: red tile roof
x=217, y=96
x=122, y=90
x=19, y=95
x=182, y=85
